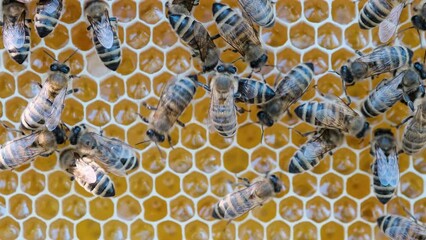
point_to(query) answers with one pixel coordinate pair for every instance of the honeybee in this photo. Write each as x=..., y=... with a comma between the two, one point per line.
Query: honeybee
x=175, y=97
x=104, y=29
x=383, y=13
x=288, y=91
x=197, y=37
x=254, y=194
x=419, y=17
x=87, y=173
x=115, y=155
x=47, y=16
x=381, y=60
x=385, y=166
x=400, y=228
x=312, y=152
x=333, y=113
x=225, y=88
x=24, y=149
x=46, y=108
x=181, y=6
x=259, y=11
x=16, y=33
x=414, y=137
x=238, y=33
x=388, y=92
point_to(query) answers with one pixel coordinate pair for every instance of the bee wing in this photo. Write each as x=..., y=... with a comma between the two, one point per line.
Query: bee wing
x=388, y=27
x=203, y=41
x=54, y=117
x=52, y=6
x=387, y=168
x=109, y=158
x=400, y=231
x=14, y=34
x=189, y=4
x=240, y=40
x=84, y=171
x=103, y=30
x=328, y=118
x=28, y=151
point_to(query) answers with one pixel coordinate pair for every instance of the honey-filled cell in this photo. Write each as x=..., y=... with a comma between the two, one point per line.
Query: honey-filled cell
x=128, y=208
x=88, y=229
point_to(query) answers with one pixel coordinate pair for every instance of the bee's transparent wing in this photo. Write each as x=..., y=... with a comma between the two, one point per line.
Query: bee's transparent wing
x=387, y=168
x=110, y=150
x=25, y=149
x=400, y=231
x=103, y=30
x=388, y=27
x=54, y=117
x=84, y=171
x=328, y=118
x=52, y=6
x=14, y=34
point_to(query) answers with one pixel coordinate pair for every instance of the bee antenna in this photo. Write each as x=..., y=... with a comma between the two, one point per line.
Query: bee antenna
x=143, y=142
x=158, y=147
x=236, y=60
x=262, y=134
x=72, y=54
x=48, y=54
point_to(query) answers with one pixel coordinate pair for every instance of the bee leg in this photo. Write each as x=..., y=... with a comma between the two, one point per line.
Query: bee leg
x=404, y=121
x=244, y=181
x=72, y=91
x=215, y=37
x=180, y=123
x=74, y=76
x=289, y=113
x=169, y=139
x=410, y=214
x=144, y=119
x=205, y=86
x=241, y=110
x=149, y=107
x=11, y=129
x=306, y=134
x=72, y=178
x=231, y=49
x=113, y=19
x=408, y=101
x=359, y=53
x=399, y=152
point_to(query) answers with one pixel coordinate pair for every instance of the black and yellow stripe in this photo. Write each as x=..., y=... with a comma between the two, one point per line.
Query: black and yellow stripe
x=46, y=19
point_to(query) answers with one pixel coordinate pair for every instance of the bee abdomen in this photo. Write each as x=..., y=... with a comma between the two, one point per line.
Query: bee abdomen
x=225, y=126
x=129, y=163
x=300, y=78
x=111, y=57
x=21, y=54
x=301, y=162
x=263, y=15
x=47, y=17
x=414, y=139
x=262, y=93
x=307, y=112
x=184, y=27
x=103, y=186
x=383, y=193
x=233, y=205
x=398, y=227
x=373, y=13
x=379, y=102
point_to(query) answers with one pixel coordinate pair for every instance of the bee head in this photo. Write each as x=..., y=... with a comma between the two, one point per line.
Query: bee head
x=60, y=134
x=155, y=136
x=364, y=129
x=231, y=69
x=419, y=22
x=346, y=75
x=276, y=182
x=260, y=62
x=208, y=68
x=359, y=69
x=59, y=67
x=265, y=118
x=75, y=134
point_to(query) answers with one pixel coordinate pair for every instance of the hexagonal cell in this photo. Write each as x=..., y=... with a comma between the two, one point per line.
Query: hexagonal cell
x=167, y=184
x=9, y=228
x=342, y=12
x=34, y=228
x=8, y=83
x=195, y=184
x=315, y=11
x=140, y=184
x=114, y=230
x=371, y=209
x=345, y=210
x=58, y=38
x=304, y=184
x=319, y=59
x=344, y=161
x=125, y=112
x=151, y=60
x=73, y=112
x=74, y=207
x=128, y=208
x=101, y=208
x=205, y=207
x=157, y=209
x=129, y=61
x=46, y=206
x=163, y=35
x=169, y=230
x=207, y=160
x=396, y=207
x=81, y=37
x=359, y=230
x=250, y=229
x=287, y=59
x=276, y=136
x=356, y=186
x=289, y=11
x=59, y=183
x=249, y=137
x=275, y=36
x=217, y=140
x=180, y=160
x=14, y=108
x=182, y=209
x=178, y=60
x=40, y=61
x=141, y=230
x=11, y=65
x=329, y=36
x=32, y=182
x=124, y=10
x=263, y=160
x=8, y=182
x=302, y=35
x=138, y=86
x=278, y=230
x=20, y=206
x=61, y=229
x=222, y=183
x=112, y=88
x=27, y=85
x=291, y=209
x=88, y=88
x=73, y=12
x=161, y=81
x=318, y=209
x=331, y=185
x=411, y=185
x=355, y=38
x=305, y=230
x=235, y=160
x=222, y=230
x=98, y=113
x=193, y=136
x=408, y=38
x=88, y=229
x=332, y=230
x=330, y=83
x=151, y=11
x=138, y=35
x=266, y=212
x=196, y=230
x=153, y=161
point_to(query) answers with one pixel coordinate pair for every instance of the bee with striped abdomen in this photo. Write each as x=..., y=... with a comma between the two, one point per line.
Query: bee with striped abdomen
x=388, y=92
x=259, y=11
x=288, y=91
x=114, y=154
x=105, y=35
x=254, y=194
x=181, y=6
x=238, y=33
x=197, y=37
x=46, y=108
x=414, y=137
x=175, y=97
x=385, y=167
x=333, y=113
x=401, y=228
x=419, y=17
x=16, y=33
x=47, y=16
x=24, y=149
x=87, y=173
x=312, y=152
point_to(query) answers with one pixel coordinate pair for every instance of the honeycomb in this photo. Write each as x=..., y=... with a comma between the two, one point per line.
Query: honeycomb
x=170, y=196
